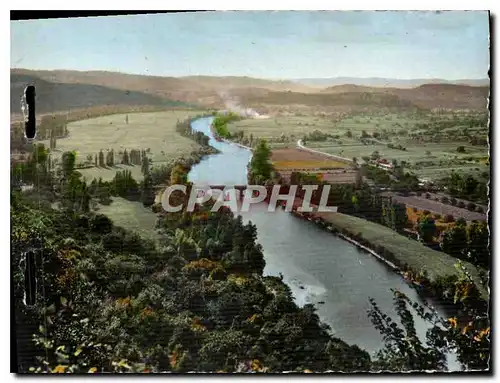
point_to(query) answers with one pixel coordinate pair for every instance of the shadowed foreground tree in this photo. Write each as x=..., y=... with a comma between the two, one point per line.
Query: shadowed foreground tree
x=454, y=240
x=468, y=336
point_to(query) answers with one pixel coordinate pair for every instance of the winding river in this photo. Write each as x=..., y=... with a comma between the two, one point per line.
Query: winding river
x=319, y=267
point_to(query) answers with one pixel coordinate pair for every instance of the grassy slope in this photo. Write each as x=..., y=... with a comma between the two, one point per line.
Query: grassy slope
x=350, y=99
x=238, y=82
x=131, y=215
x=144, y=130
x=202, y=90
x=55, y=97
x=427, y=96
x=414, y=254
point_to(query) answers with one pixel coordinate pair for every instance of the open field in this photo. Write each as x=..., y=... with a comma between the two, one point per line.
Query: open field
x=430, y=140
x=288, y=159
x=131, y=215
x=407, y=251
x=153, y=131
x=437, y=172
x=272, y=129
x=332, y=176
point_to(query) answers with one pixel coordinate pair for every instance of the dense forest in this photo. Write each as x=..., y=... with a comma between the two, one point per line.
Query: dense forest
x=112, y=301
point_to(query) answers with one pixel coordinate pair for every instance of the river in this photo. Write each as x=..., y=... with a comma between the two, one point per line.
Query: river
x=320, y=268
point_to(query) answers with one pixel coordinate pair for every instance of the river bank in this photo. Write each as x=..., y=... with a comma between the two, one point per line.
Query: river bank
x=433, y=272
x=225, y=140
x=321, y=269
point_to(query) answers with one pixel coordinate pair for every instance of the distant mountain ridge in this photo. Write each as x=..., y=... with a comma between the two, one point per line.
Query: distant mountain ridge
x=386, y=82
x=58, y=97
x=60, y=90
x=203, y=90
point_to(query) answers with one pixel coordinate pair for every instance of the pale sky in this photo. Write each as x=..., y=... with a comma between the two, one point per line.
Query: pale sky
x=281, y=44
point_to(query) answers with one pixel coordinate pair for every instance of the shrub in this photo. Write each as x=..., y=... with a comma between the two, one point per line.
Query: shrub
x=479, y=209
x=437, y=216
x=426, y=212
x=461, y=204
x=415, y=209
x=157, y=208
x=101, y=224
x=427, y=195
x=461, y=149
x=419, y=193
x=453, y=201
x=471, y=206
x=448, y=218
x=445, y=199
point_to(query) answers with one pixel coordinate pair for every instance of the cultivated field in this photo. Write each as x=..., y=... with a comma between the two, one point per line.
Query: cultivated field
x=332, y=176
x=437, y=172
x=149, y=131
x=287, y=159
x=427, y=142
x=290, y=126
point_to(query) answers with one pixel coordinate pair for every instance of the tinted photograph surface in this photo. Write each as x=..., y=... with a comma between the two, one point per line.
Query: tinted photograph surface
x=250, y=192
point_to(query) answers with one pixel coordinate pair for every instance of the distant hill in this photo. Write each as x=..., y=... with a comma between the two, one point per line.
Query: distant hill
x=328, y=100
x=234, y=82
x=447, y=96
x=202, y=90
x=55, y=97
x=428, y=96
x=60, y=90
x=385, y=82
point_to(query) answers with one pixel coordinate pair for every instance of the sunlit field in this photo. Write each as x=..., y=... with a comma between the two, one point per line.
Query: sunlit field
x=153, y=132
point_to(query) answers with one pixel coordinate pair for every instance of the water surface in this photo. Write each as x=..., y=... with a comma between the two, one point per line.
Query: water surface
x=319, y=267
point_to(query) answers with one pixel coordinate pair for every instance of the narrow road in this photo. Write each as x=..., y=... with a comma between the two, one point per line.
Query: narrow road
x=300, y=145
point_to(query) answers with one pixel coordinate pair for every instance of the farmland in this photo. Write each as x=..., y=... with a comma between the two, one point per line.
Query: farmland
x=331, y=176
x=153, y=132
x=300, y=159
x=286, y=161
x=427, y=143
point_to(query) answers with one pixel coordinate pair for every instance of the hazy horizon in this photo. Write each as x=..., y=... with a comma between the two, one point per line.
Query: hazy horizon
x=260, y=78
x=278, y=45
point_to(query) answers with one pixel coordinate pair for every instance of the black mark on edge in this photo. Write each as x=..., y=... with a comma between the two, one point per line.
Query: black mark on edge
x=30, y=122
x=30, y=278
